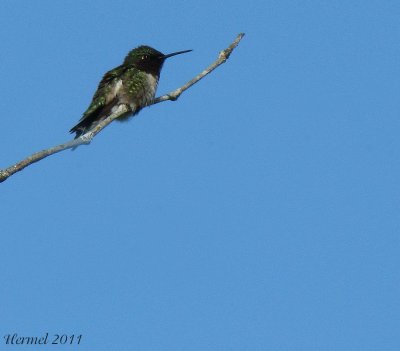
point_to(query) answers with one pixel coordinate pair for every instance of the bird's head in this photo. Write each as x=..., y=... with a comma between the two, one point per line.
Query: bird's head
x=148, y=59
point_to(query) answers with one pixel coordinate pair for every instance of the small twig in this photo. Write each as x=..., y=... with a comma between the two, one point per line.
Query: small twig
x=122, y=109
x=222, y=57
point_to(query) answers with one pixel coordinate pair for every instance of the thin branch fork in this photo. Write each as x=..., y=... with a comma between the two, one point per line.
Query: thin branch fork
x=86, y=138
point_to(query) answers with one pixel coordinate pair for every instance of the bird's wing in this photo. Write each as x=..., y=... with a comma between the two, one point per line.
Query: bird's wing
x=100, y=102
x=102, y=97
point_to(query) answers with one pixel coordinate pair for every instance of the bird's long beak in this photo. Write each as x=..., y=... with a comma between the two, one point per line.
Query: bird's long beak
x=176, y=53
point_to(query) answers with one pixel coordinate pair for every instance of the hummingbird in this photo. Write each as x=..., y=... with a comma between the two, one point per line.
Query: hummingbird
x=133, y=83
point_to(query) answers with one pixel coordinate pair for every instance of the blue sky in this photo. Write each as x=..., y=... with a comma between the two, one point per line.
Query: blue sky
x=258, y=212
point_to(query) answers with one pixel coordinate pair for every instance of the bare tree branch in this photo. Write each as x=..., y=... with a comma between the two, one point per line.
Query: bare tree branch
x=122, y=109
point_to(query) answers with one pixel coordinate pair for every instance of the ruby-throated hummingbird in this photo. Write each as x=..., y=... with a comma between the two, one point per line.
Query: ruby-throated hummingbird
x=134, y=83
